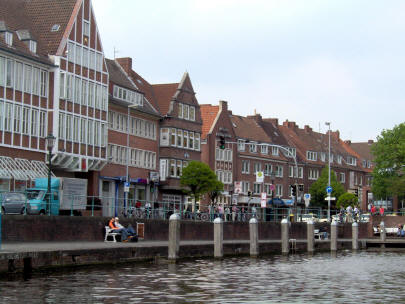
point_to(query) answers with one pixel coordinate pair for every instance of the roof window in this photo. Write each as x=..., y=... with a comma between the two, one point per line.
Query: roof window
x=55, y=28
x=8, y=37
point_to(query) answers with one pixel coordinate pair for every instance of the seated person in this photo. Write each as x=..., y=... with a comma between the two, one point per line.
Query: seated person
x=401, y=231
x=117, y=227
x=324, y=232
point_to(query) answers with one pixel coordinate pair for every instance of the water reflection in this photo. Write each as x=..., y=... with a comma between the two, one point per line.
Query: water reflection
x=321, y=278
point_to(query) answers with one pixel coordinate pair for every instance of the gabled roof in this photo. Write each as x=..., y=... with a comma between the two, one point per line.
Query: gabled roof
x=164, y=94
x=208, y=115
x=249, y=129
x=118, y=76
x=38, y=17
x=363, y=149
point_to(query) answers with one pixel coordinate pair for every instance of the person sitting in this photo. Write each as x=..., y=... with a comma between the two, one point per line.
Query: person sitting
x=125, y=232
x=401, y=231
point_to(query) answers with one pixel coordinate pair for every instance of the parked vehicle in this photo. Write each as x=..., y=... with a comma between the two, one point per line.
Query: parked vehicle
x=13, y=202
x=68, y=195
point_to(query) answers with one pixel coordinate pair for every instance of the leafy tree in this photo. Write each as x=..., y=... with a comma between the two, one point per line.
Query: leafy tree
x=347, y=199
x=318, y=189
x=197, y=179
x=389, y=159
x=214, y=193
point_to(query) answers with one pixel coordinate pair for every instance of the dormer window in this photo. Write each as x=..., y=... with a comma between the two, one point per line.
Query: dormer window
x=311, y=155
x=8, y=37
x=33, y=46
x=127, y=95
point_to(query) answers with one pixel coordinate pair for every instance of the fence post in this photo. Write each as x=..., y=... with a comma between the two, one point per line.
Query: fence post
x=310, y=236
x=254, y=237
x=333, y=236
x=355, y=236
x=218, y=238
x=285, y=246
x=382, y=232
x=174, y=237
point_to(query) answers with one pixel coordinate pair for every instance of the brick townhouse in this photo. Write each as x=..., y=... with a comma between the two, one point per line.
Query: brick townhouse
x=132, y=145
x=217, y=126
x=179, y=132
x=53, y=80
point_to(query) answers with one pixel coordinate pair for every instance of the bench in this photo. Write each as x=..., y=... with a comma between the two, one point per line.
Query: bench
x=319, y=235
x=109, y=233
x=388, y=231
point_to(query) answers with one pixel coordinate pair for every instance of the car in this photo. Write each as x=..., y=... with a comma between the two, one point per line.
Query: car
x=13, y=202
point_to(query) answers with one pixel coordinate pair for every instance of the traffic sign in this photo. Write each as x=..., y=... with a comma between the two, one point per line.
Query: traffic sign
x=126, y=187
x=307, y=196
x=330, y=198
x=328, y=189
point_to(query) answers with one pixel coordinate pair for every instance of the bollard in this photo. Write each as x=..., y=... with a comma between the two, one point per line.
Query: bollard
x=382, y=232
x=285, y=246
x=310, y=236
x=218, y=238
x=355, y=236
x=333, y=235
x=174, y=237
x=254, y=237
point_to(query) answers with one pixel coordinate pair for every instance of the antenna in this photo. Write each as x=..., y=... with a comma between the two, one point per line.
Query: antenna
x=115, y=52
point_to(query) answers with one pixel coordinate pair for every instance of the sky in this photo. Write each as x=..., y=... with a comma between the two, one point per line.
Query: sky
x=311, y=61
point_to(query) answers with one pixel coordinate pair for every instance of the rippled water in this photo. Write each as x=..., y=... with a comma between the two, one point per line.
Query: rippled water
x=363, y=277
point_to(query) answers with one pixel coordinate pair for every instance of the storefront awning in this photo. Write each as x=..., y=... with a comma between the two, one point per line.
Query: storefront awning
x=22, y=169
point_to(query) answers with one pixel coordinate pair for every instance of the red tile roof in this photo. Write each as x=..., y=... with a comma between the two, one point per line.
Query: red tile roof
x=208, y=115
x=248, y=128
x=164, y=94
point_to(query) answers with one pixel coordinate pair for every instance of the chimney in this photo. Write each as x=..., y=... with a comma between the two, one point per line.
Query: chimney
x=257, y=118
x=307, y=129
x=126, y=63
x=370, y=141
x=289, y=124
x=223, y=105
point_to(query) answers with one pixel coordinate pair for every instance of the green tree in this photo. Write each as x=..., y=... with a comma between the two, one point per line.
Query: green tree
x=347, y=199
x=197, y=179
x=318, y=189
x=389, y=160
x=216, y=190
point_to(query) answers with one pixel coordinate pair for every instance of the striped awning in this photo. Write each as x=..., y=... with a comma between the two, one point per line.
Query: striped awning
x=22, y=169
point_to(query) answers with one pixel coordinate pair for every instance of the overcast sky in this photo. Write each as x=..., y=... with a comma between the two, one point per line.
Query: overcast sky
x=306, y=61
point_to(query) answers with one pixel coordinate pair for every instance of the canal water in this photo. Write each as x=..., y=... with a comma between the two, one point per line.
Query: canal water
x=363, y=277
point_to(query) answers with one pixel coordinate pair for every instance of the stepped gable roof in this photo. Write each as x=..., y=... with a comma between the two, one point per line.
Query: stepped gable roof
x=118, y=76
x=248, y=129
x=164, y=94
x=208, y=115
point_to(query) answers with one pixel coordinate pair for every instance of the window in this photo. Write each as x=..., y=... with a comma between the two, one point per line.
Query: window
x=300, y=172
x=185, y=112
x=279, y=190
x=274, y=151
x=8, y=117
x=291, y=170
x=18, y=76
x=264, y=149
x=86, y=28
x=8, y=38
x=34, y=122
x=313, y=174
x=291, y=152
x=42, y=124
x=179, y=138
x=245, y=187
x=245, y=166
x=268, y=168
x=27, y=78
x=33, y=46
x=2, y=71
x=25, y=120
x=241, y=145
x=128, y=95
x=279, y=171
x=351, y=161
x=311, y=155
x=257, y=188
x=164, y=137
x=257, y=167
x=17, y=118
x=342, y=177
x=267, y=189
x=339, y=159
x=252, y=148
x=180, y=114
x=192, y=113
x=10, y=73
x=323, y=156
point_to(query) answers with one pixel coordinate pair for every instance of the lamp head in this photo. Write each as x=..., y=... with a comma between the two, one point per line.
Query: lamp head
x=50, y=141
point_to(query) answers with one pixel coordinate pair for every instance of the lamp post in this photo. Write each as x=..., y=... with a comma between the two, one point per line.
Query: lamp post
x=328, y=124
x=50, y=142
x=272, y=188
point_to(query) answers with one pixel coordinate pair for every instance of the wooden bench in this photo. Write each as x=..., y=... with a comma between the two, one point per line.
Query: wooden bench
x=109, y=233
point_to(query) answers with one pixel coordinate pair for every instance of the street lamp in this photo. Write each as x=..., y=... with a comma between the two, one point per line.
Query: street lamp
x=328, y=124
x=50, y=142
